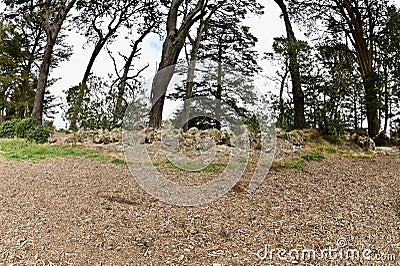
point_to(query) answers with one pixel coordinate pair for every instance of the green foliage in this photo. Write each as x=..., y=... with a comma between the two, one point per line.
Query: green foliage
x=295, y=163
x=25, y=126
x=21, y=50
x=314, y=156
x=96, y=109
x=7, y=128
x=39, y=135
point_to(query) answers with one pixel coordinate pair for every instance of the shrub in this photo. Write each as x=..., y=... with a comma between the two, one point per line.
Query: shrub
x=7, y=128
x=39, y=135
x=25, y=126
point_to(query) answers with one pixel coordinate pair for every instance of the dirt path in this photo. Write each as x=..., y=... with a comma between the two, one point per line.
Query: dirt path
x=74, y=211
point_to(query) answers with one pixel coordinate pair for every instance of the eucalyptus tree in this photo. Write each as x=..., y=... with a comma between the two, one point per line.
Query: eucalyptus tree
x=22, y=44
x=192, y=58
x=53, y=15
x=230, y=45
x=332, y=89
x=11, y=66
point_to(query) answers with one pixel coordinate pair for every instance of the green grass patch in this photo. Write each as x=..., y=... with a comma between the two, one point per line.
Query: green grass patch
x=199, y=167
x=22, y=150
x=314, y=156
x=295, y=163
x=361, y=155
x=119, y=161
x=214, y=168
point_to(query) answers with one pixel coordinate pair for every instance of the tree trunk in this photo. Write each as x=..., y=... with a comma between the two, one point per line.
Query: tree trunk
x=37, y=111
x=192, y=66
x=298, y=95
x=218, y=95
x=282, y=87
x=364, y=56
x=372, y=104
x=190, y=75
x=188, y=95
x=161, y=81
x=118, y=111
x=355, y=109
x=386, y=99
x=172, y=46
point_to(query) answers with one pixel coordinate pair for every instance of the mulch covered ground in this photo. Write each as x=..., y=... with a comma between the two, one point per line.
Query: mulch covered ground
x=75, y=211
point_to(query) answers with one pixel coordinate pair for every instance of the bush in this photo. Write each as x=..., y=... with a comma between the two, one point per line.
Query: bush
x=25, y=126
x=7, y=128
x=39, y=135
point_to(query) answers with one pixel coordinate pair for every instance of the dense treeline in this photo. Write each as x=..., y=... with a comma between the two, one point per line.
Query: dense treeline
x=345, y=76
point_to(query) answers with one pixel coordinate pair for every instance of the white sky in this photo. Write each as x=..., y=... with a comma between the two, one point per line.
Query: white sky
x=265, y=28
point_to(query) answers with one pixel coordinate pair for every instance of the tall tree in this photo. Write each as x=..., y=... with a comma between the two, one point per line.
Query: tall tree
x=26, y=21
x=228, y=46
x=359, y=22
x=388, y=64
x=298, y=95
x=172, y=46
x=195, y=45
x=53, y=15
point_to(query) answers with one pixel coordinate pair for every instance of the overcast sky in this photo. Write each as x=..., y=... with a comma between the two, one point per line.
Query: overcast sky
x=265, y=28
